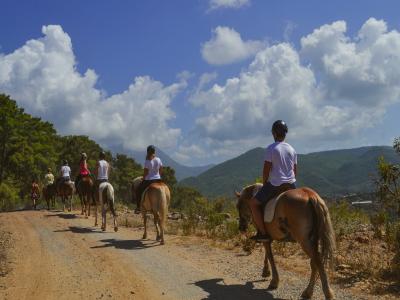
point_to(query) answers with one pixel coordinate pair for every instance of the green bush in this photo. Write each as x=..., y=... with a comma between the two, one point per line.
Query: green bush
x=9, y=199
x=346, y=219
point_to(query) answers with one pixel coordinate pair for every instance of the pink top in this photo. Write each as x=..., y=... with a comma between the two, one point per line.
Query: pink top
x=83, y=169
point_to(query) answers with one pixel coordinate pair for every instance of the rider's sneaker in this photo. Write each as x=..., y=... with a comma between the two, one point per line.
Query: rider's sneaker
x=261, y=238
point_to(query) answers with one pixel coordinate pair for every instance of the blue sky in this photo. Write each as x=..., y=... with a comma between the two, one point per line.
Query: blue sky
x=176, y=43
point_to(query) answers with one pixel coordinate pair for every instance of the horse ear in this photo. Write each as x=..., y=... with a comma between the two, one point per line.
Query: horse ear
x=237, y=194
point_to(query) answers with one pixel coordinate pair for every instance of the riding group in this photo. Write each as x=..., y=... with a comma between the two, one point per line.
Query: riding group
x=149, y=192
x=277, y=208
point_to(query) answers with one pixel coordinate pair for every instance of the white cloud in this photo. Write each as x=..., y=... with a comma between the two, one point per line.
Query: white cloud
x=43, y=78
x=226, y=46
x=329, y=91
x=217, y=4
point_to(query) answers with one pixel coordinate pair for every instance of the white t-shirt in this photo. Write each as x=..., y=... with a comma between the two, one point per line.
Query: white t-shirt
x=153, y=166
x=283, y=158
x=65, y=171
x=102, y=171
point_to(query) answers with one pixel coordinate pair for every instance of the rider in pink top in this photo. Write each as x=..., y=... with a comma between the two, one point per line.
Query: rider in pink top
x=83, y=169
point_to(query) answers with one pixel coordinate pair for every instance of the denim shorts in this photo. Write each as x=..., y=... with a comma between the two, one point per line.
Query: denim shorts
x=269, y=191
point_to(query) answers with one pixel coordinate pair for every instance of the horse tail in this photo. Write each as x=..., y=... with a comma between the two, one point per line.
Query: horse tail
x=163, y=205
x=323, y=233
x=110, y=197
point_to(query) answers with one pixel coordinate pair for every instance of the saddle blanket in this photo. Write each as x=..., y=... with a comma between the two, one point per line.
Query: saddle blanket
x=269, y=210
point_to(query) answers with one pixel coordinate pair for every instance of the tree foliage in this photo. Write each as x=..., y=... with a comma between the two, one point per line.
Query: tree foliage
x=388, y=184
x=29, y=145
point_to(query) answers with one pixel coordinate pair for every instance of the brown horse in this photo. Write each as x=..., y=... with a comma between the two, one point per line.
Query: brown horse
x=156, y=199
x=49, y=194
x=300, y=215
x=85, y=190
x=66, y=190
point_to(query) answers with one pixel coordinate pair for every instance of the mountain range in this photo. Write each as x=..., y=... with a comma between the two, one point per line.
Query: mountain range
x=331, y=173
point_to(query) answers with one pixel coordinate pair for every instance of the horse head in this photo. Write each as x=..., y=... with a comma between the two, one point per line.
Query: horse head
x=243, y=208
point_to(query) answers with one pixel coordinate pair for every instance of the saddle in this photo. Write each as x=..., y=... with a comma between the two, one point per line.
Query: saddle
x=144, y=193
x=269, y=207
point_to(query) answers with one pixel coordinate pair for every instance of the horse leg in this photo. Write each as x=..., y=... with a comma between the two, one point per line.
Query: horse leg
x=82, y=203
x=112, y=209
x=95, y=213
x=145, y=225
x=156, y=222
x=161, y=223
x=308, y=292
x=266, y=271
x=70, y=203
x=88, y=196
x=324, y=277
x=275, y=276
x=103, y=216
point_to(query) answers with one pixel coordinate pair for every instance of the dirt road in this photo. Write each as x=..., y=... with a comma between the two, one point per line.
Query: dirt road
x=58, y=255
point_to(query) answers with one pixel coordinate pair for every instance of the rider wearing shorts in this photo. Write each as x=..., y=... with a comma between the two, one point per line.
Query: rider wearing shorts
x=279, y=174
x=102, y=170
x=151, y=174
x=65, y=174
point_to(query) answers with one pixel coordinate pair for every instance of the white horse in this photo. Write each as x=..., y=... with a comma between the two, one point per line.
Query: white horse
x=156, y=199
x=106, y=197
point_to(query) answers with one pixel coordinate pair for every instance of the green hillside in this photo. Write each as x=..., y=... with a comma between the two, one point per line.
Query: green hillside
x=331, y=173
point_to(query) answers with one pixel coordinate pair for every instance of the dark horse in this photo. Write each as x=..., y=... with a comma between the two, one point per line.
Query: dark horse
x=300, y=215
x=49, y=194
x=85, y=190
x=66, y=190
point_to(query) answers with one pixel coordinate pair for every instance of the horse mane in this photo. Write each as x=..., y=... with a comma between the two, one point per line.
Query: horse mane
x=247, y=191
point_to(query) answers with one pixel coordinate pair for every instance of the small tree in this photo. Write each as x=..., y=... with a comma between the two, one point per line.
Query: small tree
x=388, y=184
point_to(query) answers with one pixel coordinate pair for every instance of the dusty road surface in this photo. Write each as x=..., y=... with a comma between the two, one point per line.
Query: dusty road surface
x=55, y=255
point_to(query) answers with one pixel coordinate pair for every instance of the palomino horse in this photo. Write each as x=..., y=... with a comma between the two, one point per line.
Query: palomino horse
x=49, y=194
x=300, y=215
x=156, y=199
x=85, y=190
x=106, y=197
x=66, y=190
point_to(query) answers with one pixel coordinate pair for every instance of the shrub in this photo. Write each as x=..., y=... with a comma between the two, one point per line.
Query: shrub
x=9, y=198
x=346, y=219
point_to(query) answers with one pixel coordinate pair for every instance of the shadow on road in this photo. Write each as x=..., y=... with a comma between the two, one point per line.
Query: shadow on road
x=76, y=229
x=63, y=216
x=218, y=290
x=126, y=244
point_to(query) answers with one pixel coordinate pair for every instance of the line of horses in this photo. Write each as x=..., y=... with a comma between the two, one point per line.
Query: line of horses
x=155, y=200
x=301, y=215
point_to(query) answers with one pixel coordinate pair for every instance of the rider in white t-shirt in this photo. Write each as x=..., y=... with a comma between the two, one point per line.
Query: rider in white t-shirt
x=151, y=174
x=279, y=174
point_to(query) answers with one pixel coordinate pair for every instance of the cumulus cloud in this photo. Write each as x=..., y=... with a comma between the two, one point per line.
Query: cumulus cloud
x=217, y=4
x=329, y=90
x=43, y=78
x=226, y=46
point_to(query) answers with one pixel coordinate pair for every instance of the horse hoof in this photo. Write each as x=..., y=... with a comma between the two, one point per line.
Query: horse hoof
x=158, y=239
x=162, y=243
x=306, y=295
x=144, y=237
x=103, y=229
x=272, y=286
x=266, y=273
x=115, y=229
